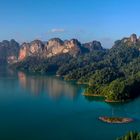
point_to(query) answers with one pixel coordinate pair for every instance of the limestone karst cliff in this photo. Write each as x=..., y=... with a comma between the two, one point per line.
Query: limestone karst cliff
x=56, y=46
x=128, y=41
x=9, y=51
x=12, y=52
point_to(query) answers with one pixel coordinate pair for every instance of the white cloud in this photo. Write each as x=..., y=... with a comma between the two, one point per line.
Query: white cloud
x=56, y=30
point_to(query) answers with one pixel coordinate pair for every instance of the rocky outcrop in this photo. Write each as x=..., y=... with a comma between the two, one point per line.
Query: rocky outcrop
x=94, y=45
x=24, y=51
x=57, y=46
x=130, y=40
x=54, y=47
x=9, y=51
x=73, y=46
x=133, y=40
x=35, y=48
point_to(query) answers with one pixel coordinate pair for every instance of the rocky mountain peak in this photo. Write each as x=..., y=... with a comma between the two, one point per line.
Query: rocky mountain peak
x=9, y=51
x=73, y=43
x=24, y=51
x=94, y=45
x=127, y=41
x=36, y=47
x=55, y=42
x=133, y=38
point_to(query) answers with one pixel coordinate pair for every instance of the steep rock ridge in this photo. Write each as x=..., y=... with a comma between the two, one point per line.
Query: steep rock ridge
x=73, y=46
x=2, y=53
x=56, y=46
x=133, y=38
x=12, y=52
x=94, y=45
x=129, y=41
x=9, y=51
x=35, y=48
x=53, y=47
x=24, y=51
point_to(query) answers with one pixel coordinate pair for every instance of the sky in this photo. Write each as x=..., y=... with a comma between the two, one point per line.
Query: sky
x=86, y=20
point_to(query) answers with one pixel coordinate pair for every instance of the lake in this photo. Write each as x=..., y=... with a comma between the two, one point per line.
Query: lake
x=41, y=107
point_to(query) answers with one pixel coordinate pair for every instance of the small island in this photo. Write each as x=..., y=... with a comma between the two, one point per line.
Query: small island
x=116, y=120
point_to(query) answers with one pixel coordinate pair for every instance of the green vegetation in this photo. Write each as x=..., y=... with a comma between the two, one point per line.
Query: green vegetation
x=39, y=65
x=113, y=73
x=130, y=136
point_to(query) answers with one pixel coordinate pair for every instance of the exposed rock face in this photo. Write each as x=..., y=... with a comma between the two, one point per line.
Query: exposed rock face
x=95, y=45
x=57, y=46
x=129, y=41
x=53, y=47
x=73, y=47
x=24, y=51
x=35, y=48
x=2, y=54
x=133, y=38
x=9, y=51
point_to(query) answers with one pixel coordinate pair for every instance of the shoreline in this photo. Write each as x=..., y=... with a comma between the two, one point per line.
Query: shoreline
x=115, y=120
x=92, y=95
x=105, y=100
x=111, y=101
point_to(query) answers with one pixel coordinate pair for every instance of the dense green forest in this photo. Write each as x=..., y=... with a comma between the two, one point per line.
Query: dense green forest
x=113, y=73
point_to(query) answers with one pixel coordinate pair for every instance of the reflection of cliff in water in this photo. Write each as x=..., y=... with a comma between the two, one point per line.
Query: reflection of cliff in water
x=52, y=86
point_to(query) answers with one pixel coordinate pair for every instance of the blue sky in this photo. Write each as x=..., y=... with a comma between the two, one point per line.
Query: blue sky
x=86, y=20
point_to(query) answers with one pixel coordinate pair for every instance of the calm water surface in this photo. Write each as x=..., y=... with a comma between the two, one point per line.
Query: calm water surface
x=48, y=108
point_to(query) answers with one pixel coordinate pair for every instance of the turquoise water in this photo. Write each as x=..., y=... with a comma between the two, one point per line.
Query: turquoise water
x=48, y=108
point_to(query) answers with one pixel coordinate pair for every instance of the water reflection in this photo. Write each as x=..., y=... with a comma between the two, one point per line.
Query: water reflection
x=52, y=86
x=13, y=82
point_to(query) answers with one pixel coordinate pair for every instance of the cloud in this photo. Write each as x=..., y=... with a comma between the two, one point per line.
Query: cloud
x=56, y=30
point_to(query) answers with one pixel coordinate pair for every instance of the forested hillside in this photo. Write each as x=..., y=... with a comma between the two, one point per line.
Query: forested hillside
x=113, y=73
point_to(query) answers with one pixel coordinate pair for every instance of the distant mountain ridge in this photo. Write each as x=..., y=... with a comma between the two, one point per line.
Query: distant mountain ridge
x=128, y=41
x=54, y=47
x=9, y=51
x=12, y=52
